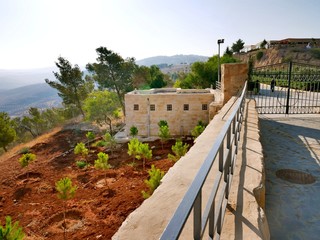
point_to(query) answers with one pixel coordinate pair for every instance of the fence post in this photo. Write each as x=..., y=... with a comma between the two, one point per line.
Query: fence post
x=289, y=84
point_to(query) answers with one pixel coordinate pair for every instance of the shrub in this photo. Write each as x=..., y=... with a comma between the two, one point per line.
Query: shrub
x=162, y=123
x=90, y=136
x=155, y=176
x=110, y=141
x=11, y=232
x=80, y=149
x=26, y=159
x=24, y=150
x=259, y=55
x=315, y=52
x=134, y=131
x=81, y=164
x=179, y=150
x=100, y=143
x=102, y=161
x=196, y=132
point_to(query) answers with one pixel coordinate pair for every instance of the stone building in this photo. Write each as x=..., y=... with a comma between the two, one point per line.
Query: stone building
x=181, y=108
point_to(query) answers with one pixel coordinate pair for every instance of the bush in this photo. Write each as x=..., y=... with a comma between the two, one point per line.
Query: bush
x=133, y=147
x=133, y=131
x=196, y=132
x=80, y=149
x=315, y=52
x=24, y=150
x=81, y=164
x=9, y=232
x=26, y=159
x=179, y=150
x=155, y=176
x=162, y=123
x=259, y=55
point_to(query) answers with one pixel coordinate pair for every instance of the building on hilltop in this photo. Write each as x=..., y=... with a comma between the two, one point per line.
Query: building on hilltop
x=181, y=108
x=298, y=42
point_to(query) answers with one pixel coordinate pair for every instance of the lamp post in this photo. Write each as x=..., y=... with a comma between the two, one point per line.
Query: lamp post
x=219, y=42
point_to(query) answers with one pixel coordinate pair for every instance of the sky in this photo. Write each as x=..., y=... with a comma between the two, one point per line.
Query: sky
x=34, y=33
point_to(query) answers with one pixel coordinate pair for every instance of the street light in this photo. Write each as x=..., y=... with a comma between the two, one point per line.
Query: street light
x=219, y=42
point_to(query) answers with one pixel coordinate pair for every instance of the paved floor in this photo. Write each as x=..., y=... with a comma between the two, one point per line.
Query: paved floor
x=292, y=142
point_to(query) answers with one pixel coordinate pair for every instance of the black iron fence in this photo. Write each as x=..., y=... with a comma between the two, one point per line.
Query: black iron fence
x=287, y=88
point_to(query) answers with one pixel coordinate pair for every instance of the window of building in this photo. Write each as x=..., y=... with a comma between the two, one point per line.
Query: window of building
x=152, y=107
x=136, y=107
x=186, y=107
x=169, y=107
x=204, y=106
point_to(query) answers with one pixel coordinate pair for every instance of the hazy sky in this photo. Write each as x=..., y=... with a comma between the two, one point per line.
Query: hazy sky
x=34, y=33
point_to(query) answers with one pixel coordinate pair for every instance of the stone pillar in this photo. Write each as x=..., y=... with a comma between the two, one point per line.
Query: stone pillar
x=233, y=77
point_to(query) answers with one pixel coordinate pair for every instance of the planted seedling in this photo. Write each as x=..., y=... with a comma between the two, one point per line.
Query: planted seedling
x=66, y=191
x=11, y=232
x=155, y=176
x=179, y=150
x=102, y=163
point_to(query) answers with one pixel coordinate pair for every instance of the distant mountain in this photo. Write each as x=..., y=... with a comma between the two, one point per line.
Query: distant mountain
x=10, y=79
x=172, y=60
x=16, y=102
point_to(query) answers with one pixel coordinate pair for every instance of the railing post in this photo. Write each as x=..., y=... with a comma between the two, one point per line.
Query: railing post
x=197, y=217
x=289, y=84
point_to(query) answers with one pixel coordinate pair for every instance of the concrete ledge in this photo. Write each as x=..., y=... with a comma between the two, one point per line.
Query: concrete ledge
x=245, y=217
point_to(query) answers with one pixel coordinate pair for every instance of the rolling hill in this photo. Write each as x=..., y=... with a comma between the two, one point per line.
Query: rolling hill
x=174, y=60
x=16, y=102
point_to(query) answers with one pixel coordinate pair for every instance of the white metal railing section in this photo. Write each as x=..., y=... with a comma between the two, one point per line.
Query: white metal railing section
x=223, y=150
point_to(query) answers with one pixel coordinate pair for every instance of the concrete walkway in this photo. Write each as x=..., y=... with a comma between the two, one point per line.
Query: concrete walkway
x=292, y=142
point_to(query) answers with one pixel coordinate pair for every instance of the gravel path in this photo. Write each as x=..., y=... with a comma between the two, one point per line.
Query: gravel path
x=292, y=142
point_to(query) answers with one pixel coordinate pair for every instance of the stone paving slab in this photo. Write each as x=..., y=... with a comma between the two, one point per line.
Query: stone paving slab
x=292, y=142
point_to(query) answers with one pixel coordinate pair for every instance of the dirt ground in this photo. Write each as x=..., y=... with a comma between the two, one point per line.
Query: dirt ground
x=98, y=209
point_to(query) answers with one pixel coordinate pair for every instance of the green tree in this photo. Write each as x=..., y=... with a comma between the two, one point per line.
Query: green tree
x=66, y=191
x=72, y=87
x=263, y=44
x=204, y=74
x=164, y=134
x=7, y=132
x=113, y=72
x=155, y=176
x=11, y=232
x=133, y=147
x=101, y=106
x=228, y=52
x=102, y=163
x=26, y=159
x=141, y=77
x=110, y=141
x=237, y=46
x=179, y=150
x=162, y=123
x=157, y=77
x=144, y=152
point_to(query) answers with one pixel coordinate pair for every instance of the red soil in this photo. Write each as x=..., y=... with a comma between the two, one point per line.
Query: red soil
x=97, y=210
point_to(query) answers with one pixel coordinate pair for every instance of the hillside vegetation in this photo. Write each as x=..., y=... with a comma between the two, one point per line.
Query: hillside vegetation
x=280, y=55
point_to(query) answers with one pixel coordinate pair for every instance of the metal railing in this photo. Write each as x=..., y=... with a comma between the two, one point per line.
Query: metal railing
x=224, y=151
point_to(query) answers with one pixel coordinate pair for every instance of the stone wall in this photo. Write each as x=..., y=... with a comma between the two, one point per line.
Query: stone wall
x=233, y=77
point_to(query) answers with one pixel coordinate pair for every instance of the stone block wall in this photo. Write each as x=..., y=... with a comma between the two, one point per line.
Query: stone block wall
x=233, y=77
